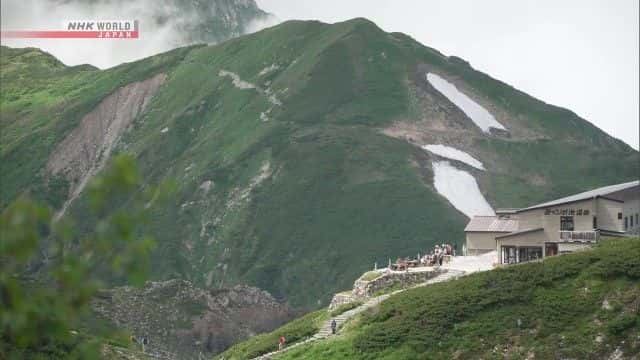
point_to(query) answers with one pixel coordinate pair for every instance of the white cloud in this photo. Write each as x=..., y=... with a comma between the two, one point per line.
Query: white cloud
x=164, y=25
x=103, y=53
x=262, y=23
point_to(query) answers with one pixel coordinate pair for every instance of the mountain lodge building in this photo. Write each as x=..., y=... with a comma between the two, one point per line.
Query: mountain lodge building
x=563, y=225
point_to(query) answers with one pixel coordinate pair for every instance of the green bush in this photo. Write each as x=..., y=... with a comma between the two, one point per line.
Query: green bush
x=42, y=313
x=370, y=275
x=622, y=324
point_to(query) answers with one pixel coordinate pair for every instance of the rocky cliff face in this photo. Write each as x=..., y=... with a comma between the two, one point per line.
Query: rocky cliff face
x=84, y=152
x=180, y=318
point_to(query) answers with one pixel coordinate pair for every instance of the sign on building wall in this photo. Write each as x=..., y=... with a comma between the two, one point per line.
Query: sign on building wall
x=565, y=212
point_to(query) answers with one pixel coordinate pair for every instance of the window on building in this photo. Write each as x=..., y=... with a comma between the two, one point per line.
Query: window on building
x=619, y=216
x=509, y=255
x=529, y=253
x=595, y=222
x=637, y=220
x=566, y=223
x=626, y=223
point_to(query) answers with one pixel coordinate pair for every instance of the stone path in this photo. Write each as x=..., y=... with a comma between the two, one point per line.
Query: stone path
x=325, y=329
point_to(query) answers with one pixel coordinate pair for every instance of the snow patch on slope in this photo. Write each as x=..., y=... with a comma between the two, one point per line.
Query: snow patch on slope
x=460, y=188
x=240, y=194
x=473, y=110
x=454, y=154
x=245, y=85
x=237, y=82
x=272, y=97
x=268, y=69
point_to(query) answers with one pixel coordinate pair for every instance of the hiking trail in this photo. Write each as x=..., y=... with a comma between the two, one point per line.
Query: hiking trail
x=325, y=330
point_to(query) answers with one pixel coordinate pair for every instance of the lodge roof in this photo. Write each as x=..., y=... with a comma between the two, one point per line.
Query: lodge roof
x=515, y=233
x=599, y=192
x=507, y=210
x=491, y=224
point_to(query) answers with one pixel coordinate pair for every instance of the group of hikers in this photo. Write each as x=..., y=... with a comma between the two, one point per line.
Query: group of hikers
x=433, y=258
x=438, y=253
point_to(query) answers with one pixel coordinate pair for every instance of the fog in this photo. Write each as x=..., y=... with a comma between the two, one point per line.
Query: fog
x=158, y=21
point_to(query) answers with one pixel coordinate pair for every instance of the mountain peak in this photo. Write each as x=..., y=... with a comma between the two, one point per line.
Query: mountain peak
x=304, y=141
x=361, y=21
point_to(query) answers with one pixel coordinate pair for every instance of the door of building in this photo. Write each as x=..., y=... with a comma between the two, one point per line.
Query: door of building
x=550, y=249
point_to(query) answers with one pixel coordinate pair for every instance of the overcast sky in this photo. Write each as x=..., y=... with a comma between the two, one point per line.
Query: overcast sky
x=578, y=54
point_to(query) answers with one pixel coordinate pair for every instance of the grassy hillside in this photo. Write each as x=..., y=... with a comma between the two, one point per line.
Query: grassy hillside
x=41, y=101
x=276, y=142
x=582, y=306
x=294, y=331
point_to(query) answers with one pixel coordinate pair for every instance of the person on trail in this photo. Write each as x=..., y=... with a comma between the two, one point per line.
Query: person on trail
x=281, y=341
x=145, y=342
x=333, y=326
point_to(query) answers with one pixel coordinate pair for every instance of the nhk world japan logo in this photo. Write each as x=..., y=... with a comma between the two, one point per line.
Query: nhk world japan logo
x=82, y=29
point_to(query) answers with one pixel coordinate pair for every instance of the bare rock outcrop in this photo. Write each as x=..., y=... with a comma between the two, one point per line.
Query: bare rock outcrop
x=189, y=321
x=84, y=152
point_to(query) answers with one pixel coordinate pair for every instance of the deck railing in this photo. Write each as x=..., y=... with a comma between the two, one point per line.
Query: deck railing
x=580, y=236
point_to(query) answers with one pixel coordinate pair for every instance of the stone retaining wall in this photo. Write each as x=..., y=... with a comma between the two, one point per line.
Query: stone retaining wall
x=342, y=298
x=363, y=289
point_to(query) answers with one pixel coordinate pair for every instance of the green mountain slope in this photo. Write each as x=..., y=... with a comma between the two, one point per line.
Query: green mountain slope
x=579, y=306
x=294, y=149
